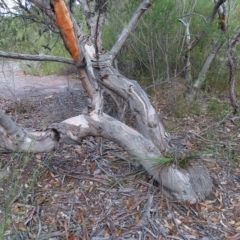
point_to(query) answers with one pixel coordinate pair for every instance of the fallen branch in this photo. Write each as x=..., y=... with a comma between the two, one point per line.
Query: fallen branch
x=191, y=184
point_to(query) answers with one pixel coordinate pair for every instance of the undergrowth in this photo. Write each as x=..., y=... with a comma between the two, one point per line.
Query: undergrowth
x=25, y=170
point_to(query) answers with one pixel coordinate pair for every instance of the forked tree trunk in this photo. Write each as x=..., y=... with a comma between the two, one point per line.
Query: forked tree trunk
x=219, y=7
x=97, y=73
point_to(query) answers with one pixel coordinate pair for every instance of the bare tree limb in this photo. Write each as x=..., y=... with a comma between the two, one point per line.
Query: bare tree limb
x=201, y=77
x=40, y=57
x=102, y=8
x=128, y=29
x=90, y=17
x=127, y=88
x=220, y=8
x=13, y=138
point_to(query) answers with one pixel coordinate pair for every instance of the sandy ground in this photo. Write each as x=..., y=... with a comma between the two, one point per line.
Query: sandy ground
x=14, y=83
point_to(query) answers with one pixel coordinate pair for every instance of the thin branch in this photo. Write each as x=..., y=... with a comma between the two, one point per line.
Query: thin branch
x=48, y=18
x=131, y=25
x=187, y=62
x=44, y=6
x=190, y=14
x=40, y=57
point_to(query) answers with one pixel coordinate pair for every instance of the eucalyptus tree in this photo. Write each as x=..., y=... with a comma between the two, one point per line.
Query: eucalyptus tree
x=150, y=144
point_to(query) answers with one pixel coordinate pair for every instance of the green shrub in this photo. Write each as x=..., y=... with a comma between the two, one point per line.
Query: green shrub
x=216, y=108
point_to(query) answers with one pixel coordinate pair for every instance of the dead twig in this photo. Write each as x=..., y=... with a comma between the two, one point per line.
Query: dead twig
x=39, y=223
x=48, y=235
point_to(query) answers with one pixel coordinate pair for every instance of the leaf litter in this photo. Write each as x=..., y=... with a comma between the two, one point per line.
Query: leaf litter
x=96, y=191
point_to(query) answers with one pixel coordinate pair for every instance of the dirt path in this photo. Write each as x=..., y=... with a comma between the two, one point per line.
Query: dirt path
x=14, y=83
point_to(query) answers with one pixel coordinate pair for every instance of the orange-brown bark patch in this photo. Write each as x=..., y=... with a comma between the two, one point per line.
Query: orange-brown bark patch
x=66, y=26
x=222, y=23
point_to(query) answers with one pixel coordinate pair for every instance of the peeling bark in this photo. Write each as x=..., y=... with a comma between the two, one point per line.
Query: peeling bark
x=222, y=16
x=66, y=28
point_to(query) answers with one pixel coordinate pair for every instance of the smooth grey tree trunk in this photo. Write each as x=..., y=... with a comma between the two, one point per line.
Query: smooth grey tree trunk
x=202, y=74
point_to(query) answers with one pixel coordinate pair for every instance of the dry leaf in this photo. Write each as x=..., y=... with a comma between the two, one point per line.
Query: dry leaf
x=137, y=219
x=49, y=96
x=106, y=234
x=214, y=219
x=234, y=237
x=72, y=237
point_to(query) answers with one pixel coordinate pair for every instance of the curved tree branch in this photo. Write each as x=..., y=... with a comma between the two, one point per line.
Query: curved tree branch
x=13, y=138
